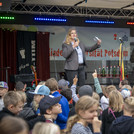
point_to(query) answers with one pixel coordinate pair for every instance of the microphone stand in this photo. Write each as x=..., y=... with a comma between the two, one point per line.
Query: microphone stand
x=55, y=68
x=6, y=68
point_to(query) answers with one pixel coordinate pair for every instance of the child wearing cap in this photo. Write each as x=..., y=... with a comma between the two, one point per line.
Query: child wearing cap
x=50, y=107
x=3, y=91
x=39, y=93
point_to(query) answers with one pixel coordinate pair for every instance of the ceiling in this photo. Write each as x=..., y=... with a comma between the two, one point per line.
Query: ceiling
x=86, y=3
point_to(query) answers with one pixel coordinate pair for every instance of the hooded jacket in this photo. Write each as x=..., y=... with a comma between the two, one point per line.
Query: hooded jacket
x=107, y=118
x=122, y=125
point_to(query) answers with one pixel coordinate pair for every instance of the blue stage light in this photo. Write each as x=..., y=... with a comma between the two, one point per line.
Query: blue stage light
x=50, y=19
x=99, y=22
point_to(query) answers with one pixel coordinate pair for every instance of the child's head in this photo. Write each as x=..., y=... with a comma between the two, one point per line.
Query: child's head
x=63, y=84
x=13, y=102
x=13, y=125
x=40, y=92
x=52, y=84
x=123, y=82
x=67, y=93
x=86, y=108
x=96, y=96
x=23, y=96
x=103, y=87
x=50, y=105
x=20, y=86
x=129, y=105
x=3, y=88
x=85, y=90
x=115, y=100
x=46, y=128
x=109, y=89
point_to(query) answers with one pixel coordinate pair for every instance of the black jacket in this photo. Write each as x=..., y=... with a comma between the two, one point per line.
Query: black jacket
x=30, y=122
x=5, y=112
x=122, y=125
x=107, y=119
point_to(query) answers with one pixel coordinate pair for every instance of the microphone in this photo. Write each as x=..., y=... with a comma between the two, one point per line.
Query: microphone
x=120, y=39
x=76, y=39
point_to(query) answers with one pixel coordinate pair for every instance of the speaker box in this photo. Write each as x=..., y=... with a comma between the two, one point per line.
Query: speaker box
x=25, y=78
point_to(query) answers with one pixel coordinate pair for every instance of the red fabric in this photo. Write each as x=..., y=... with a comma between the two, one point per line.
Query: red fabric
x=42, y=59
x=7, y=55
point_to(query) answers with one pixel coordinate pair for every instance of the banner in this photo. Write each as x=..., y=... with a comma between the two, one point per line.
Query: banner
x=26, y=51
x=109, y=47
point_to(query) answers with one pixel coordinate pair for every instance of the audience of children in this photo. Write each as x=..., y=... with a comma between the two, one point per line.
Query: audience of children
x=53, y=114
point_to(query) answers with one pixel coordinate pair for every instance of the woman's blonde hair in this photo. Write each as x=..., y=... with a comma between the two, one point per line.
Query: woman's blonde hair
x=129, y=104
x=115, y=101
x=46, y=128
x=84, y=103
x=68, y=36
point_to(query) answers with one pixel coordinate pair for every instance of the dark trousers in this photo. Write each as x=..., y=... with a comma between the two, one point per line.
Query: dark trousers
x=80, y=75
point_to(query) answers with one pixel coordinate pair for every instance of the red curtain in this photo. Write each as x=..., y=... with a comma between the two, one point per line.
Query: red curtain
x=42, y=59
x=7, y=55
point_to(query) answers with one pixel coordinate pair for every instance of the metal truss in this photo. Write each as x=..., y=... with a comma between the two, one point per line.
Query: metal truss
x=70, y=10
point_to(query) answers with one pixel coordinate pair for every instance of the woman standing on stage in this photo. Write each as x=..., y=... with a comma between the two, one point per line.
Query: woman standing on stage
x=74, y=52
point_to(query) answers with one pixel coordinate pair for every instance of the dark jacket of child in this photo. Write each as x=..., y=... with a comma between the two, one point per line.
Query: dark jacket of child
x=31, y=122
x=5, y=112
x=108, y=116
x=122, y=125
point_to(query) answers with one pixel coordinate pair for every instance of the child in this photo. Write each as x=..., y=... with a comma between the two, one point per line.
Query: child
x=125, y=123
x=50, y=107
x=13, y=125
x=39, y=93
x=114, y=110
x=46, y=128
x=62, y=117
x=86, y=112
x=3, y=91
x=13, y=104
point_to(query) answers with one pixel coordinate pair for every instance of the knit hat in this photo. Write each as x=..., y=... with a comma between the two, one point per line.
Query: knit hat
x=47, y=102
x=63, y=83
x=41, y=90
x=3, y=84
x=85, y=90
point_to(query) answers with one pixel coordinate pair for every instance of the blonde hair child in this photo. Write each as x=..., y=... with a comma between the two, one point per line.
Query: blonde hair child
x=114, y=110
x=125, y=123
x=86, y=112
x=46, y=128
